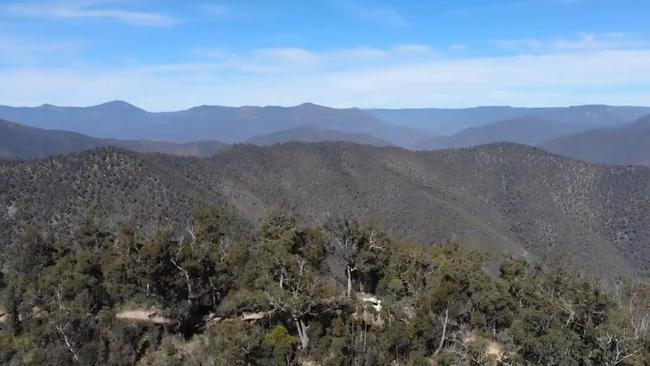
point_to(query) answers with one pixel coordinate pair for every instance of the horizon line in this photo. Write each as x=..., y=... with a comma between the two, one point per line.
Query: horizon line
x=303, y=104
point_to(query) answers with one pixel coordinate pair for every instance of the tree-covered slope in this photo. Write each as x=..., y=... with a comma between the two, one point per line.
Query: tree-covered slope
x=218, y=293
x=502, y=198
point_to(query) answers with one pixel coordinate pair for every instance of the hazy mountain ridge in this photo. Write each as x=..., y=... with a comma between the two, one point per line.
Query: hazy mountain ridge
x=22, y=142
x=310, y=133
x=625, y=145
x=501, y=198
x=403, y=127
x=120, y=120
x=523, y=130
x=265, y=125
x=448, y=121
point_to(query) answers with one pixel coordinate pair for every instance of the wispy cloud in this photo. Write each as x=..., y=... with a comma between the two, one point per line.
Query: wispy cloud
x=295, y=60
x=580, y=42
x=219, y=10
x=22, y=51
x=89, y=10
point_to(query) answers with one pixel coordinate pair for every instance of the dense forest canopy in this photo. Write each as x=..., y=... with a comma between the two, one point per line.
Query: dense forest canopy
x=222, y=292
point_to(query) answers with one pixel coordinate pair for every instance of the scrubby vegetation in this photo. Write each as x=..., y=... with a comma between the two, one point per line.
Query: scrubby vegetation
x=220, y=292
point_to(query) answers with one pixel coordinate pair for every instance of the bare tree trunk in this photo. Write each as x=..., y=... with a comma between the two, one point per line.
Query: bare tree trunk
x=61, y=330
x=348, y=272
x=188, y=281
x=444, y=322
x=302, y=333
x=365, y=336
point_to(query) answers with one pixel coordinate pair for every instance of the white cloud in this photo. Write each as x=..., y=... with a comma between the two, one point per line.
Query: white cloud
x=89, y=9
x=366, y=77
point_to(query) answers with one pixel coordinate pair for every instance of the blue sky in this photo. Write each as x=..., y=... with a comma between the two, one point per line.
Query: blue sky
x=169, y=54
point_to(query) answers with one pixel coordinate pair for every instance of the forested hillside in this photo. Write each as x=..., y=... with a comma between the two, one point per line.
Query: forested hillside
x=222, y=293
x=499, y=199
x=324, y=183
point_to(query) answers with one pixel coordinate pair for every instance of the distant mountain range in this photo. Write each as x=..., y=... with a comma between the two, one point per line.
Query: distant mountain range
x=120, y=120
x=206, y=130
x=22, y=142
x=628, y=144
x=441, y=121
x=499, y=199
x=402, y=127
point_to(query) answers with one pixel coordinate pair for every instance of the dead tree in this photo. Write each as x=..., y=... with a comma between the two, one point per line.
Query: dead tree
x=185, y=272
x=299, y=299
x=445, y=323
x=61, y=328
x=616, y=349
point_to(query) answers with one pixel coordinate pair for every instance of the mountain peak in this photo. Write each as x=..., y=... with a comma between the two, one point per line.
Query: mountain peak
x=309, y=105
x=48, y=106
x=119, y=105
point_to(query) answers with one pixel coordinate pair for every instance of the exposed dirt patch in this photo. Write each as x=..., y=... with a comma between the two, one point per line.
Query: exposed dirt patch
x=145, y=315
